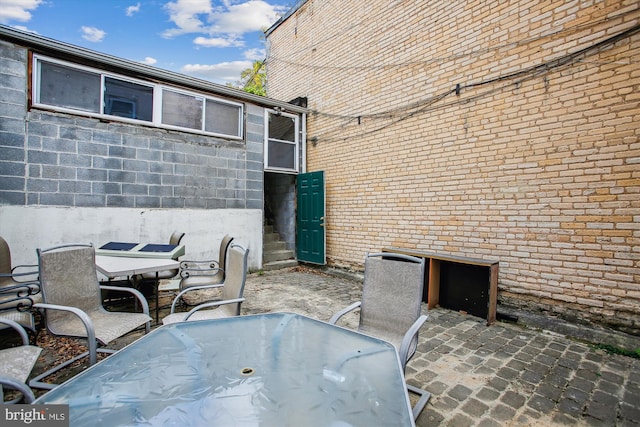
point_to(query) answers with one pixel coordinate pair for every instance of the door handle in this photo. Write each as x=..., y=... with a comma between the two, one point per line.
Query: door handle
x=322, y=223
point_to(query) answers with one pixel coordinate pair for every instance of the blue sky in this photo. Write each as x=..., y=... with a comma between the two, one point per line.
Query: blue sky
x=209, y=39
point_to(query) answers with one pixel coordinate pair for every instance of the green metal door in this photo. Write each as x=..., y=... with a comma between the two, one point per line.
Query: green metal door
x=310, y=242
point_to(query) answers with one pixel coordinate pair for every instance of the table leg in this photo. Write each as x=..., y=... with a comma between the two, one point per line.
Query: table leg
x=157, y=295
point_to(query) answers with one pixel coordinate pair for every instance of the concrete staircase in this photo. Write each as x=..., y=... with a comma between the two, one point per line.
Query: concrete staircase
x=275, y=253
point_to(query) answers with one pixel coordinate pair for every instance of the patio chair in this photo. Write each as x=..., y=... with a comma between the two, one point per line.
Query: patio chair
x=73, y=304
x=175, y=239
x=206, y=272
x=146, y=282
x=16, y=364
x=232, y=290
x=19, y=289
x=390, y=308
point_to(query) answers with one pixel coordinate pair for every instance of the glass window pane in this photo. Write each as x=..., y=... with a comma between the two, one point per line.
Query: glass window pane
x=127, y=99
x=281, y=155
x=181, y=110
x=222, y=118
x=282, y=128
x=69, y=88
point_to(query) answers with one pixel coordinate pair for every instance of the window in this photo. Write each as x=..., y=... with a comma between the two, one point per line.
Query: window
x=181, y=110
x=222, y=117
x=281, y=152
x=69, y=88
x=82, y=90
x=128, y=99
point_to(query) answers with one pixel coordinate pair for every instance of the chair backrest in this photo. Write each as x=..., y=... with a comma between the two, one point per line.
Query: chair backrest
x=391, y=296
x=222, y=255
x=5, y=258
x=176, y=237
x=236, y=276
x=68, y=277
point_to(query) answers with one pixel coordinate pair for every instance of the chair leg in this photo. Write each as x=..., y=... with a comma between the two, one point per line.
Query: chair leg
x=37, y=382
x=422, y=401
x=25, y=392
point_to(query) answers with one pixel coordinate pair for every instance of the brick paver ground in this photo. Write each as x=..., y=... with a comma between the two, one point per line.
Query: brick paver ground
x=498, y=375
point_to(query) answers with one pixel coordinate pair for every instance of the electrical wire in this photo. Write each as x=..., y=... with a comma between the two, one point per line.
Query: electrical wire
x=441, y=59
x=428, y=104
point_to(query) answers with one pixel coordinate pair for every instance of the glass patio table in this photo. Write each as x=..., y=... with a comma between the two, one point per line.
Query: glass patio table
x=274, y=369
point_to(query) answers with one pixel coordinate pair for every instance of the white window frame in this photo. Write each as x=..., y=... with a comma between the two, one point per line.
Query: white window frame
x=157, y=99
x=296, y=142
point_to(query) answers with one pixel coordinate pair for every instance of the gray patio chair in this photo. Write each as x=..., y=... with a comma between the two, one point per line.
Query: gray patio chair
x=73, y=303
x=231, y=296
x=16, y=364
x=206, y=272
x=174, y=239
x=390, y=308
x=19, y=289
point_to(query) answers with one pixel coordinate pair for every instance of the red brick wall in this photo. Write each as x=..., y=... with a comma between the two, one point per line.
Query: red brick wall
x=536, y=162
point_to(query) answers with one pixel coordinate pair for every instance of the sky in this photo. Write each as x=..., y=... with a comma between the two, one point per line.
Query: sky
x=212, y=40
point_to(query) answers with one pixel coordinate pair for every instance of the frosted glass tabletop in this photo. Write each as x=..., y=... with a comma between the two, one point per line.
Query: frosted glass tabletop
x=275, y=369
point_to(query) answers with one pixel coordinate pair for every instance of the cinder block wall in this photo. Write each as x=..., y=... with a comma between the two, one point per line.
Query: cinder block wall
x=50, y=159
x=534, y=160
x=66, y=160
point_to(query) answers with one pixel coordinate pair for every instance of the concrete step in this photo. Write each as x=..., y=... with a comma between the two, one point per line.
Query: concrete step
x=277, y=265
x=271, y=237
x=275, y=254
x=279, y=255
x=276, y=245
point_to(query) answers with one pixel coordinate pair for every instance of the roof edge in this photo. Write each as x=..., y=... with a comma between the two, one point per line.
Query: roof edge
x=286, y=16
x=38, y=41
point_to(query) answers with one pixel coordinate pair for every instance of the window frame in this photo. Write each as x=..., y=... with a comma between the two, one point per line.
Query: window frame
x=296, y=142
x=157, y=88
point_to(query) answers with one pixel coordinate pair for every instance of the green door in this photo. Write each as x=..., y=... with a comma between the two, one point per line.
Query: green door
x=310, y=242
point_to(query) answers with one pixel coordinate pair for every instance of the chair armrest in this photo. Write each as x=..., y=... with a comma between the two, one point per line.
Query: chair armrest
x=29, y=275
x=18, y=327
x=212, y=304
x=14, y=384
x=193, y=288
x=86, y=320
x=188, y=272
x=135, y=292
x=18, y=296
x=185, y=263
x=408, y=337
x=14, y=276
x=34, y=266
x=344, y=311
x=21, y=289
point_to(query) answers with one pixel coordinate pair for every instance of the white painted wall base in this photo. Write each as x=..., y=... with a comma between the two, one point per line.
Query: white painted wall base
x=26, y=228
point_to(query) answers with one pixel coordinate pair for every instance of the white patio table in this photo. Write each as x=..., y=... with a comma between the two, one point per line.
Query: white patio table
x=119, y=266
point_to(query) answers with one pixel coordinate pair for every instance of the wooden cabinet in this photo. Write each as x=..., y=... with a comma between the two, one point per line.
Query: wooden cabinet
x=458, y=283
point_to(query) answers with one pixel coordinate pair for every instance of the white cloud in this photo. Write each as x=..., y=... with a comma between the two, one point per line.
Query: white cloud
x=133, y=9
x=17, y=10
x=224, y=72
x=186, y=14
x=25, y=29
x=254, y=54
x=92, y=34
x=250, y=16
x=228, y=22
x=149, y=60
x=217, y=42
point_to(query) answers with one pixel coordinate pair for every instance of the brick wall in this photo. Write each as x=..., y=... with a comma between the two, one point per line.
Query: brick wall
x=534, y=160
